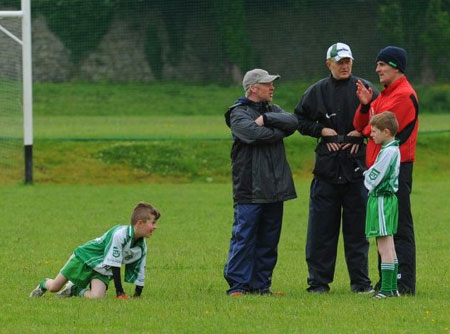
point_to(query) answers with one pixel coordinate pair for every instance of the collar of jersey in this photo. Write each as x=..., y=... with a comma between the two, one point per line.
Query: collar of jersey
x=395, y=142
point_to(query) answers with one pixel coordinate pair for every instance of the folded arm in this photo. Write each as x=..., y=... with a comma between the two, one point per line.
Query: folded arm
x=247, y=130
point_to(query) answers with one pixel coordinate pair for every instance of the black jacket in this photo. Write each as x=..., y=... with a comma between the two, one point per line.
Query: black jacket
x=260, y=171
x=332, y=103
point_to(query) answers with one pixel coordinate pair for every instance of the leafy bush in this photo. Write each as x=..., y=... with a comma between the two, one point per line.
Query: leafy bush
x=434, y=99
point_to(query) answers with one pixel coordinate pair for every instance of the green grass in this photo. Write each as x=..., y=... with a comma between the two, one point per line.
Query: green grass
x=184, y=290
x=163, y=127
x=177, y=98
x=182, y=160
x=156, y=99
x=99, y=149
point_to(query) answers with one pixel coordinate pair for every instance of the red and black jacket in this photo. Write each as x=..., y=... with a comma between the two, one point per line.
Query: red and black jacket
x=401, y=99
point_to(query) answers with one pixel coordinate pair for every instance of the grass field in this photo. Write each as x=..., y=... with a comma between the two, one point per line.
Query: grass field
x=100, y=149
x=184, y=290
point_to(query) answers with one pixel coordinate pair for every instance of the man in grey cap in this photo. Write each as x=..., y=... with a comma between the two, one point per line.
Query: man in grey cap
x=337, y=191
x=262, y=181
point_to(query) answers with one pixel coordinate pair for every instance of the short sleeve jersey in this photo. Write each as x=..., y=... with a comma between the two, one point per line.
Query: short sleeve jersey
x=382, y=177
x=114, y=248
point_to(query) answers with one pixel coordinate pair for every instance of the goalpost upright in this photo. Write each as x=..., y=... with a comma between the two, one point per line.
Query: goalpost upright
x=25, y=42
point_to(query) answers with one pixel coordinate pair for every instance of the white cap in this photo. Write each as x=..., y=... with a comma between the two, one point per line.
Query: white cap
x=338, y=51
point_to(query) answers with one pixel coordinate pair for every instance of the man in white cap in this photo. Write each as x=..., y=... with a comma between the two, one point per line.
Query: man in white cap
x=262, y=181
x=337, y=191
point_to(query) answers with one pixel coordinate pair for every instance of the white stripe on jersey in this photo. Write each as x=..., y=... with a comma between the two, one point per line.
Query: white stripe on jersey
x=381, y=218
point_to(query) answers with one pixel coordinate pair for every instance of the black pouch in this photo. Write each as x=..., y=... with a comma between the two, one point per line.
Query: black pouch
x=327, y=162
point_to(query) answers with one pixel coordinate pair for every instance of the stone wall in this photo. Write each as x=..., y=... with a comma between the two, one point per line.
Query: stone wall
x=292, y=43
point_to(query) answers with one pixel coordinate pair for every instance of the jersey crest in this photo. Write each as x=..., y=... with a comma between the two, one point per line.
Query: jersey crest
x=116, y=252
x=373, y=174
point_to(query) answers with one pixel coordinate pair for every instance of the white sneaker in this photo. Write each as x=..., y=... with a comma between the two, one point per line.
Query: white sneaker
x=37, y=292
x=66, y=291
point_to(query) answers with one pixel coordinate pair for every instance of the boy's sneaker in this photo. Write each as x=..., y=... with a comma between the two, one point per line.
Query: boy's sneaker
x=382, y=295
x=37, y=292
x=67, y=291
x=395, y=293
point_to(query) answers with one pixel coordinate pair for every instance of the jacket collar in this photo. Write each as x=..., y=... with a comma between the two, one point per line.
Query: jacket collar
x=261, y=107
x=389, y=89
x=395, y=142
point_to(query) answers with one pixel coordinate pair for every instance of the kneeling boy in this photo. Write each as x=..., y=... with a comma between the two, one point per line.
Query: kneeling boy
x=96, y=262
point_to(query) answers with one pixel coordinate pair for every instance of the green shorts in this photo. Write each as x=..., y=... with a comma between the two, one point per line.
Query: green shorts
x=80, y=274
x=381, y=216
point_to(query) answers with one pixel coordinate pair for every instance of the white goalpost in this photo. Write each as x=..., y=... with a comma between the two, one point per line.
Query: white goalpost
x=25, y=42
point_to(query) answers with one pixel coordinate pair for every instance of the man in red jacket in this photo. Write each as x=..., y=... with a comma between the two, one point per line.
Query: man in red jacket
x=399, y=97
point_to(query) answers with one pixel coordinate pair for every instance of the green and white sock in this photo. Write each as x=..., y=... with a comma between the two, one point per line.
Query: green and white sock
x=81, y=293
x=387, y=273
x=394, y=278
x=42, y=285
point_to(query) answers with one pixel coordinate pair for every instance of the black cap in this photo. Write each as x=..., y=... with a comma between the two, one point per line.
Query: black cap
x=393, y=56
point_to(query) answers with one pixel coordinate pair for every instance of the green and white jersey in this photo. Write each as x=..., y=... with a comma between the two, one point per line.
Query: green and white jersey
x=113, y=248
x=382, y=178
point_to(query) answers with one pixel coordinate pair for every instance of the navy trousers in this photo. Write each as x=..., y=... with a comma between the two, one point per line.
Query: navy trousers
x=253, y=249
x=404, y=239
x=329, y=203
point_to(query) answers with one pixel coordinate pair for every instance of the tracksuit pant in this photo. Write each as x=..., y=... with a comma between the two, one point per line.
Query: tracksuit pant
x=329, y=203
x=404, y=240
x=253, y=247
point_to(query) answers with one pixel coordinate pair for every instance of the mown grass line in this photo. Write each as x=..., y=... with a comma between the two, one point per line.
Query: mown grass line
x=175, y=138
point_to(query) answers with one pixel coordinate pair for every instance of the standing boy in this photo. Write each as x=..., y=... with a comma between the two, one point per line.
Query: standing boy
x=96, y=262
x=262, y=181
x=382, y=206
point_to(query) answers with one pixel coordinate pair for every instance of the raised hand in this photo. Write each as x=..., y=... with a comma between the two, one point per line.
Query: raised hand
x=364, y=95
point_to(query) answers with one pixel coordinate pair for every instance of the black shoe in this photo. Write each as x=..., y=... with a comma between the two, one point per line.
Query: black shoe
x=318, y=289
x=405, y=291
x=377, y=286
x=265, y=292
x=364, y=289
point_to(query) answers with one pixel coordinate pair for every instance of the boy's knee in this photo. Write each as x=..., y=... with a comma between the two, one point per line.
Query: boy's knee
x=53, y=288
x=92, y=294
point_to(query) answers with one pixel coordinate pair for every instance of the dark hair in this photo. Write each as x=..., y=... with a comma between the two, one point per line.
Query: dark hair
x=143, y=211
x=385, y=120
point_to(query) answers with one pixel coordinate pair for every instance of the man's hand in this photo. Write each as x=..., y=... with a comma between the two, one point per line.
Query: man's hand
x=259, y=121
x=354, y=147
x=364, y=95
x=330, y=132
